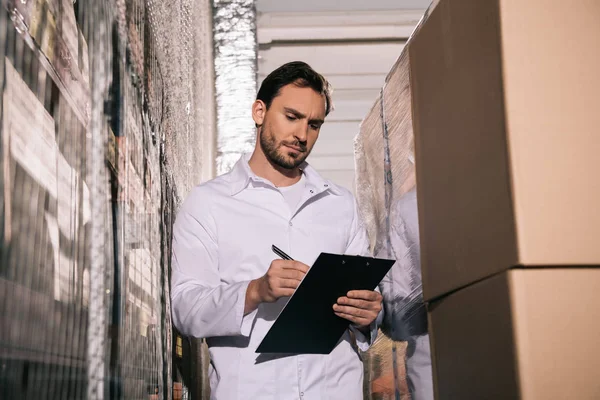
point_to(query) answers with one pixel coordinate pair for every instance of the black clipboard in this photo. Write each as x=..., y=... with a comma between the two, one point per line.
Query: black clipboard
x=307, y=324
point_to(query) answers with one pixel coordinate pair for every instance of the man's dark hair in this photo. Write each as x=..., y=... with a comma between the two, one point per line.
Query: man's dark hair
x=298, y=73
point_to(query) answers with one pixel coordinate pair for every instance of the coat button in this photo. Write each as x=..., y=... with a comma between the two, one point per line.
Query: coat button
x=291, y=224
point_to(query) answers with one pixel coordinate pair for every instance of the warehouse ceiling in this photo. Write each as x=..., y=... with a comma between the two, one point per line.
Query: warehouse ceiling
x=336, y=5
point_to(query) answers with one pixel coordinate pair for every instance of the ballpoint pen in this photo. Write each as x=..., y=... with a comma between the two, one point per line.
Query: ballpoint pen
x=281, y=253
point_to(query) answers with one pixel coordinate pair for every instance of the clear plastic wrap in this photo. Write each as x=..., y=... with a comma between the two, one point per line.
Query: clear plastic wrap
x=106, y=122
x=235, y=77
x=386, y=193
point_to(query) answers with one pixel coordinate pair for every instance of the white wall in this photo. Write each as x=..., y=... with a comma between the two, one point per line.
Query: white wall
x=353, y=49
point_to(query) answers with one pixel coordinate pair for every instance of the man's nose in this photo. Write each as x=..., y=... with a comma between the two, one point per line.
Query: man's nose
x=301, y=133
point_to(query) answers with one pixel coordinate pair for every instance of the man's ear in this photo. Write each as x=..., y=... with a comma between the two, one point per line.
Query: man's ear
x=259, y=109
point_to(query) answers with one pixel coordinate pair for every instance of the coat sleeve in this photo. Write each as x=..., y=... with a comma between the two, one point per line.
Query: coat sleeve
x=202, y=305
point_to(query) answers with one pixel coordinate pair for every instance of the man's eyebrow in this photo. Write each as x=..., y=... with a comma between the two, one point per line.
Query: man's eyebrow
x=296, y=113
x=299, y=115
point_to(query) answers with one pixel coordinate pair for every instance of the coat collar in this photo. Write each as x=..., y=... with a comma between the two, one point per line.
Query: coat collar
x=242, y=174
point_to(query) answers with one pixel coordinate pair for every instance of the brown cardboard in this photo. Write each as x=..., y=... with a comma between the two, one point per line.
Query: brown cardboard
x=506, y=100
x=55, y=37
x=524, y=334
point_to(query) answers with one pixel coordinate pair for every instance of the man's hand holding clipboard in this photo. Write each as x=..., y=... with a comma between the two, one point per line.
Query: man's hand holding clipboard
x=337, y=290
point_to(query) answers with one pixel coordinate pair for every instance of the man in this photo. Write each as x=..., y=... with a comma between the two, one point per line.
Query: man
x=228, y=286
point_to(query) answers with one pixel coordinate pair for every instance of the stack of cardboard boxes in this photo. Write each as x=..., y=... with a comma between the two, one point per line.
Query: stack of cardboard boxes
x=506, y=115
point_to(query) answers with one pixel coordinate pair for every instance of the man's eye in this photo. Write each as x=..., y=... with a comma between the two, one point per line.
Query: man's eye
x=315, y=127
x=290, y=117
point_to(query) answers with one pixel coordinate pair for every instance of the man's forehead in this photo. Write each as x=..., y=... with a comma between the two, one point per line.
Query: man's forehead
x=300, y=98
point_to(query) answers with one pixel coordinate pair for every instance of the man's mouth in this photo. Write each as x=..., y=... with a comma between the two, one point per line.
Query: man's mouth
x=298, y=149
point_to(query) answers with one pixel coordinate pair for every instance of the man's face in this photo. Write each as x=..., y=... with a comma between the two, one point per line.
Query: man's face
x=290, y=127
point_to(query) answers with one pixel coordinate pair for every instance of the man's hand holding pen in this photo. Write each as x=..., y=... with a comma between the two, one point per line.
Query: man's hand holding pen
x=281, y=280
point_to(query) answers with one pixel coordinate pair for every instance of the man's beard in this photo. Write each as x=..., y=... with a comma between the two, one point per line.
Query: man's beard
x=272, y=151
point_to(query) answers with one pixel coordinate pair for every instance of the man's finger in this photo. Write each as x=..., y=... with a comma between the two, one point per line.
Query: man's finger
x=297, y=265
x=369, y=295
x=352, y=318
x=363, y=304
x=289, y=273
x=301, y=266
x=289, y=283
x=356, y=312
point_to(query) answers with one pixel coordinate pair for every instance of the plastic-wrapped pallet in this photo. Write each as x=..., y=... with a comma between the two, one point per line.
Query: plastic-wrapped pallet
x=386, y=193
x=502, y=101
x=107, y=119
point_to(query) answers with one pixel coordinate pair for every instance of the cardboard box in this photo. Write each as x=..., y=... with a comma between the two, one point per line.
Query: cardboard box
x=506, y=100
x=523, y=334
x=69, y=30
x=53, y=28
